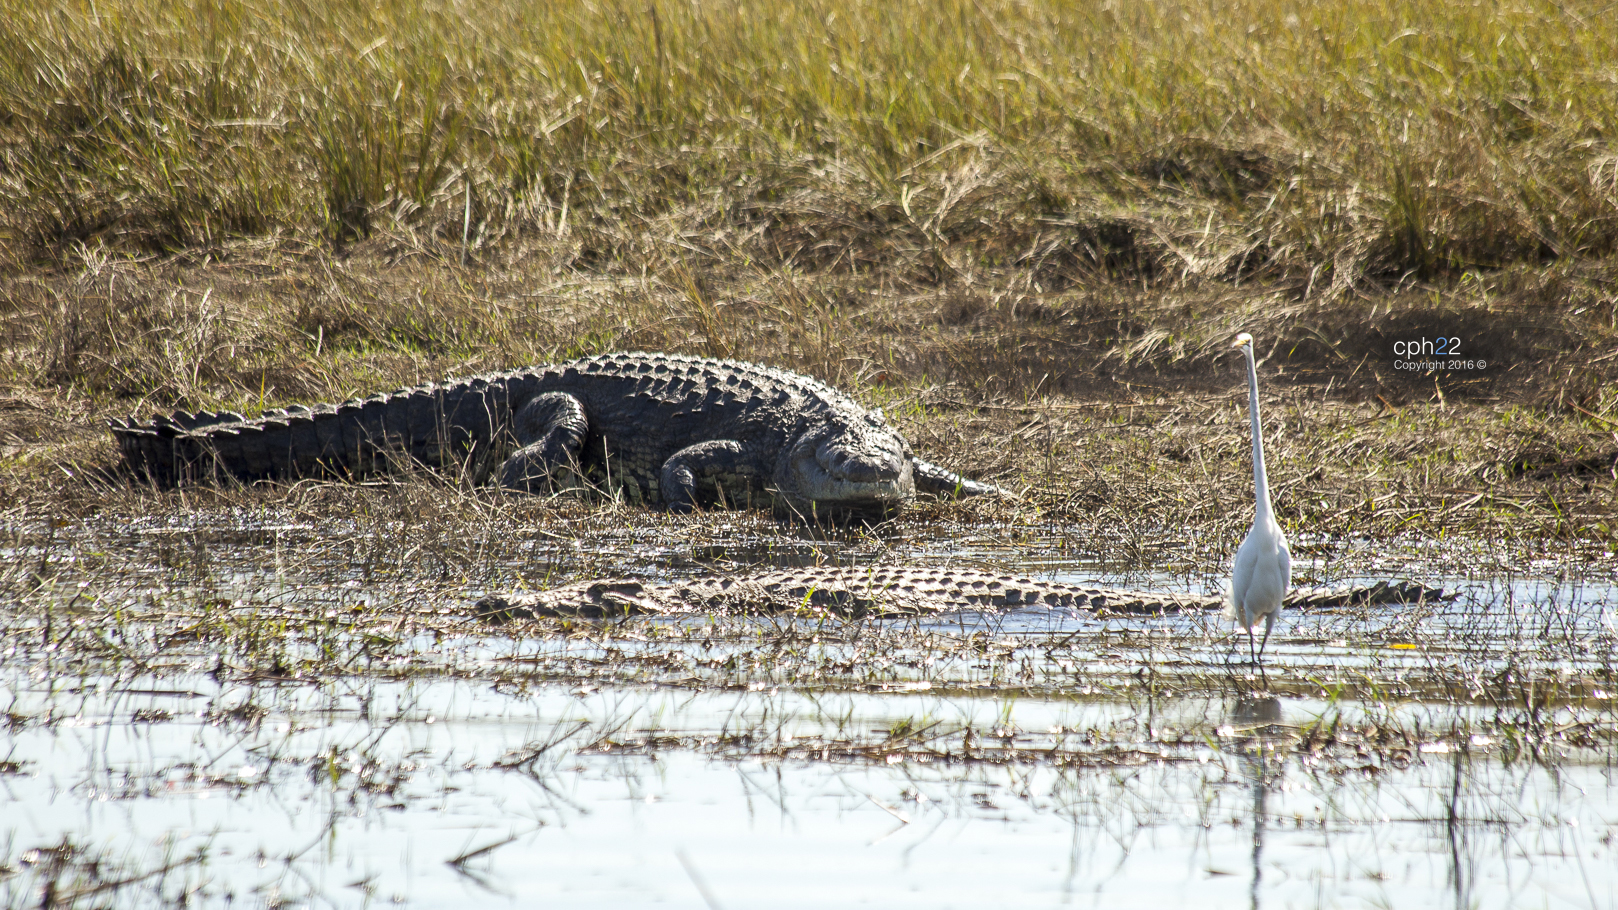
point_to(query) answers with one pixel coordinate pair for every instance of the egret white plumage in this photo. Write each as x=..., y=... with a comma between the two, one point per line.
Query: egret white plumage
x=1263, y=570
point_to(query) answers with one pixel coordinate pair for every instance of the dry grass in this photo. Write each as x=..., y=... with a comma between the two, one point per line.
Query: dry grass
x=1334, y=141
x=1037, y=393
x=1033, y=225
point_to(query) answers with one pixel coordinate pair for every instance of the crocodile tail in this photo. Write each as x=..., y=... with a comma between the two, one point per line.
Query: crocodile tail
x=432, y=423
x=934, y=480
x=159, y=448
x=182, y=446
x=280, y=443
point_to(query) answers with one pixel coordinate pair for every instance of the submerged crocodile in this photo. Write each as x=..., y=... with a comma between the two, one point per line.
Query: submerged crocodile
x=888, y=591
x=654, y=428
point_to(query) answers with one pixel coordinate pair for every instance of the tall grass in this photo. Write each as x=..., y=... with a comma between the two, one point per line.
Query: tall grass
x=246, y=203
x=1333, y=139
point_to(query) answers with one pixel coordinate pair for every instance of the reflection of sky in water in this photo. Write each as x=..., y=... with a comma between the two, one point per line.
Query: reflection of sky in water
x=1498, y=614
x=380, y=784
x=279, y=804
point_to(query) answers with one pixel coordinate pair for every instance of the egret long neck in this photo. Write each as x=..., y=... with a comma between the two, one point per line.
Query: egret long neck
x=1261, y=484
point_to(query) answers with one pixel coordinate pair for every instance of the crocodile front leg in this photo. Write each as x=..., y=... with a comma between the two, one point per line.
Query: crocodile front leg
x=723, y=463
x=550, y=431
x=931, y=478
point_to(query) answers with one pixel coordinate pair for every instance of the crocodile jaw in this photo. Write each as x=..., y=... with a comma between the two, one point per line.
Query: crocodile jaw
x=861, y=469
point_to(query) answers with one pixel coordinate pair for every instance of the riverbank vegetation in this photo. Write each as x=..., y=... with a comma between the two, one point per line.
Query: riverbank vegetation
x=1029, y=230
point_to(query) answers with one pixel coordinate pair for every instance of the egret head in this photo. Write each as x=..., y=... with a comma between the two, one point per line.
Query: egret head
x=1243, y=340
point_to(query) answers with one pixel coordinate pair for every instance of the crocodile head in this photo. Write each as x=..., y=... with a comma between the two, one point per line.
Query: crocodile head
x=859, y=468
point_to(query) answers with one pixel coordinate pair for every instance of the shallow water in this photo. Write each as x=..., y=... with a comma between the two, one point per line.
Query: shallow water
x=624, y=798
x=290, y=754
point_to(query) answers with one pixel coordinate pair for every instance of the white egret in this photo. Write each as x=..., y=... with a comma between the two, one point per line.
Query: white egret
x=1263, y=570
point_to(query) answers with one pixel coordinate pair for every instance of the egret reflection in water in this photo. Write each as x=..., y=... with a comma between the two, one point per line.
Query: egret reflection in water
x=1255, y=721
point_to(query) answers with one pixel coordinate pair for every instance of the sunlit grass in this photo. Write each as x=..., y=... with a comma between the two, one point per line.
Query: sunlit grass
x=1332, y=138
x=1058, y=211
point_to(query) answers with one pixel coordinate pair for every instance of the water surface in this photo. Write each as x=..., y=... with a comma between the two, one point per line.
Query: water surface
x=257, y=712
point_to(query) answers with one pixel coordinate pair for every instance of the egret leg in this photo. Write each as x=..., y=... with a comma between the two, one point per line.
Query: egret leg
x=1269, y=623
x=1252, y=654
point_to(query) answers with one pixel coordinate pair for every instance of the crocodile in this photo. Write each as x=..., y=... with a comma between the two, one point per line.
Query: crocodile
x=654, y=428
x=888, y=591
